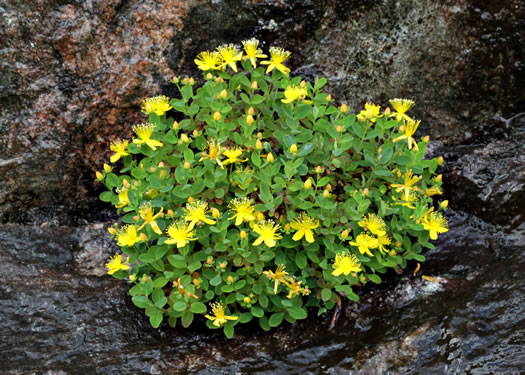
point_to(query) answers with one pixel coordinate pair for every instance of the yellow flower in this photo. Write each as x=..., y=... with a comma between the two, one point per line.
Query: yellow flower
x=304, y=224
x=180, y=233
x=407, y=202
x=244, y=210
x=401, y=106
x=228, y=56
x=277, y=56
x=435, y=223
x=364, y=243
x=382, y=242
x=295, y=288
x=207, y=60
x=268, y=232
x=374, y=224
x=370, y=112
x=144, y=131
x=410, y=129
x=252, y=50
x=408, y=185
x=214, y=153
x=146, y=213
x=345, y=263
x=123, y=198
x=120, y=148
x=196, y=212
x=279, y=276
x=233, y=155
x=294, y=92
x=220, y=317
x=128, y=236
x=158, y=105
x=115, y=264
x=432, y=191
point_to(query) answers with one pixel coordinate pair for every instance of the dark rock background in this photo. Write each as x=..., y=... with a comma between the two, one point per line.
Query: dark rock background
x=73, y=73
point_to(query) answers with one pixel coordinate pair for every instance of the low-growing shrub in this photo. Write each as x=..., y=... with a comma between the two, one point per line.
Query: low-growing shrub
x=265, y=200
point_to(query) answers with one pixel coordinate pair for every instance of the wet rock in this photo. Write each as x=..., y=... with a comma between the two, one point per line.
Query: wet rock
x=489, y=180
x=55, y=317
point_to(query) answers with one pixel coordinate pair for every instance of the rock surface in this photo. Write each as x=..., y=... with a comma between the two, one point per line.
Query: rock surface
x=74, y=72
x=58, y=316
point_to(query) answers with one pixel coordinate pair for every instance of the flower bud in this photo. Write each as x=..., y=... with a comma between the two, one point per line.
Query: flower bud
x=215, y=213
x=112, y=231
x=308, y=184
x=426, y=138
x=162, y=173
x=339, y=129
x=247, y=300
x=441, y=160
x=259, y=216
x=132, y=277
x=259, y=135
x=270, y=157
x=251, y=111
x=175, y=125
x=287, y=227
x=223, y=94
x=191, y=199
x=195, y=133
x=191, y=81
x=107, y=168
x=152, y=169
x=161, y=164
x=318, y=169
x=344, y=108
x=223, y=265
x=387, y=111
x=243, y=235
x=196, y=282
x=209, y=76
x=143, y=237
x=329, y=98
x=254, y=85
x=145, y=278
x=366, y=191
x=393, y=252
x=229, y=278
x=329, y=187
x=344, y=234
x=326, y=193
x=170, y=212
x=185, y=80
x=258, y=145
x=444, y=204
x=219, y=80
x=126, y=183
x=303, y=83
x=439, y=178
x=402, y=128
x=362, y=278
x=293, y=149
x=397, y=244
x=249, y=119
x=217, y=116
x=209, y=260
x=187, y=165
x=176, y=79
x=184, y=138
x=99, y=175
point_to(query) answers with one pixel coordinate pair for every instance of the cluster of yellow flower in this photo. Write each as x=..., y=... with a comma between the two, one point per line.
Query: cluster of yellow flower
x=280, y=276
x=228, y=55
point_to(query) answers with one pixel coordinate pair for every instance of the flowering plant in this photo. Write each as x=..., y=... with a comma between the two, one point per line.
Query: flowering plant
x=265, y=199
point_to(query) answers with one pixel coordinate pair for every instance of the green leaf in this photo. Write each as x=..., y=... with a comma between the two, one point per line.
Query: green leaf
x=106, y=196
x=228, y=331
x=297, y=313
x=179, y=306
x=156, y=318
x=326, y=294
x=300, y=259
x=374, y=278
x=263, y=322
x=276, y=319
x=112, y=180
x=256, y=159
x=141, y=301
x=187, y=318
x=257, y=311
x=216, y=280
x=198, y=307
